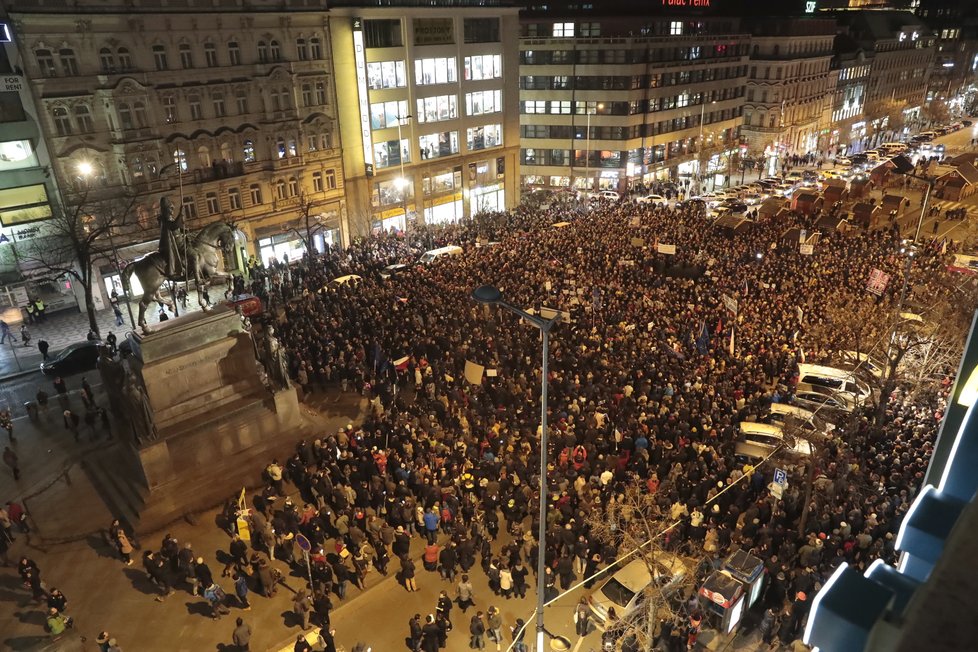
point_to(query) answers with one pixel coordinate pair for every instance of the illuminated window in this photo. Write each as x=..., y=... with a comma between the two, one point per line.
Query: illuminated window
x=676, y=28
x=487, y=66
x=483, y=102
x=388, y=153
x=248, y=149
x=435, y=71
x=535, y=106
x=386, y=74
x=563, y=29
x=484, y=137
x=560, y=107
x=438, y=145
x=435, y=109
x=388, y=114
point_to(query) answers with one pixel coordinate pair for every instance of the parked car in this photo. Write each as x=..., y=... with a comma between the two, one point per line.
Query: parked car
x=651, y=199
x=608, y=195
x=393, y=270
x=624, y=590
x=843, y=161
x=758, y=440
x=73, y=359
x=822, y=401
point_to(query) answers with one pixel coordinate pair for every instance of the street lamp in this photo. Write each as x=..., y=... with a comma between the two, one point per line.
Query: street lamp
x=489, y=295
x=904, y=166
x=402, y=183
x=587, y=151
x=85, y=170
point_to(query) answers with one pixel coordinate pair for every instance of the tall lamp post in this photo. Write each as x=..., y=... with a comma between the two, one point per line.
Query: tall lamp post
x=85, y=170
x=402, y=182
x=904, y=166
x=587, y=151
x=489, y=295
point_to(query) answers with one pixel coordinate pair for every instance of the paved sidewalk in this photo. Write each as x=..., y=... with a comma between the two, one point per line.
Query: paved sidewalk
x=103, y=593
x=61, y=329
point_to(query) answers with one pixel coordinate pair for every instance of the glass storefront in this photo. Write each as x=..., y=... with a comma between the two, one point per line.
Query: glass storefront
x=487, y=199
x=444, y=210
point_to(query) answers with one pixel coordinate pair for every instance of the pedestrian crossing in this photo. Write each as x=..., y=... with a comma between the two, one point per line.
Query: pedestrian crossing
x=946, y=205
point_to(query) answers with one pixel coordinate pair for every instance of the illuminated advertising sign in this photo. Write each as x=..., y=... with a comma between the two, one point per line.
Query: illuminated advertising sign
x=361, y=63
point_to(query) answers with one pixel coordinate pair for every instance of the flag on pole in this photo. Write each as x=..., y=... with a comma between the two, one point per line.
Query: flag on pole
x=401, y=363
x=732, y=340
x=719, y=326
x=801, y=354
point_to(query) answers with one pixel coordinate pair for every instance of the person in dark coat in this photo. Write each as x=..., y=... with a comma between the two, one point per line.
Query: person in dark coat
x=430, y=634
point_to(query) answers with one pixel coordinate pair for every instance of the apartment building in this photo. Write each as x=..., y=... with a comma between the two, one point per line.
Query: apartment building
x=902, y=50
x=788, y=108
x=611, y=97
x=954, y=24
x=228, y=110
x=428, y=110
x=852, y=66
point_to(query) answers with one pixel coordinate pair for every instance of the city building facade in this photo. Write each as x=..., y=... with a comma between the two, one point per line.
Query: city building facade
x=852, y=66
x=611, y=100
x=428, y=112
x=902, y=57
x=229, y=111
x=28, y=192
x=954, y=24
x=788, y=109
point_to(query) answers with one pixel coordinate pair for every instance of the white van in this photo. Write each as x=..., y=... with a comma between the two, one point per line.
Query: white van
x=894, y=147
x=757, y=440
x=428, y=256
x=838, y=380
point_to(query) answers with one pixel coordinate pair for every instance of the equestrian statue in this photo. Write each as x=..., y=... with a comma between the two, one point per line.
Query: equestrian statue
x=181, y=258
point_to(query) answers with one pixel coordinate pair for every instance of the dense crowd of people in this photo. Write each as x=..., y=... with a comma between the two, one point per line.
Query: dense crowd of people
x=650, y=374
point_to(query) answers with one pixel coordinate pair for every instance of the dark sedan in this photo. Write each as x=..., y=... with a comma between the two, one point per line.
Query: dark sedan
x=74, y=358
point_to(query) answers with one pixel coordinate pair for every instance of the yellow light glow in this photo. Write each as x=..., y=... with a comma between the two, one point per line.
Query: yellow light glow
x=969, y=392
x=84, y=168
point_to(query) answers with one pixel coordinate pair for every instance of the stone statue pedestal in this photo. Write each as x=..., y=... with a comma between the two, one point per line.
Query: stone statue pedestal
x=217, y=424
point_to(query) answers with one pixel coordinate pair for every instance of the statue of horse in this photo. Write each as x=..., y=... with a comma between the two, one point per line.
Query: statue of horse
x=204, y=261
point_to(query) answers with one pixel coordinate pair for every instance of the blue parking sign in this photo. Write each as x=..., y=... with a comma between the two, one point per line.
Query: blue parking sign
x=780, y=477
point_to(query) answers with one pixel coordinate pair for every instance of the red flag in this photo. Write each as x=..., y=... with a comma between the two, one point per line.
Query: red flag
x=401, y=363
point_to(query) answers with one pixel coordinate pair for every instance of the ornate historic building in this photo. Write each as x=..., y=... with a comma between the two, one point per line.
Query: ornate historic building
x=790, y=89
x=229, y=109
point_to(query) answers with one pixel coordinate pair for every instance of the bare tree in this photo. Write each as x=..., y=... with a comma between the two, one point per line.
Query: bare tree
x=636, y=523
x=309, y=223
x=78, y=235
x=936, y=112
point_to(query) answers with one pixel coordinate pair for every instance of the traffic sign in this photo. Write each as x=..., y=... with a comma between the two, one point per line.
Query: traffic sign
x=303, y=543
x=780, y=477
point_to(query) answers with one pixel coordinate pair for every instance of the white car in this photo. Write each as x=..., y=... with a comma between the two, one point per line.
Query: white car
x=608, y=195
x=843, y=162
x=651, y=199
x=625, y=589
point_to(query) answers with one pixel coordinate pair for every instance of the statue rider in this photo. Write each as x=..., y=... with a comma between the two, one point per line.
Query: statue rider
x=170, y=228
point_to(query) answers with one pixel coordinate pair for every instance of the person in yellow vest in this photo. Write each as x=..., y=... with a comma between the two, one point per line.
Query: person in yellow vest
x=39, y=307
x=30, y=311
